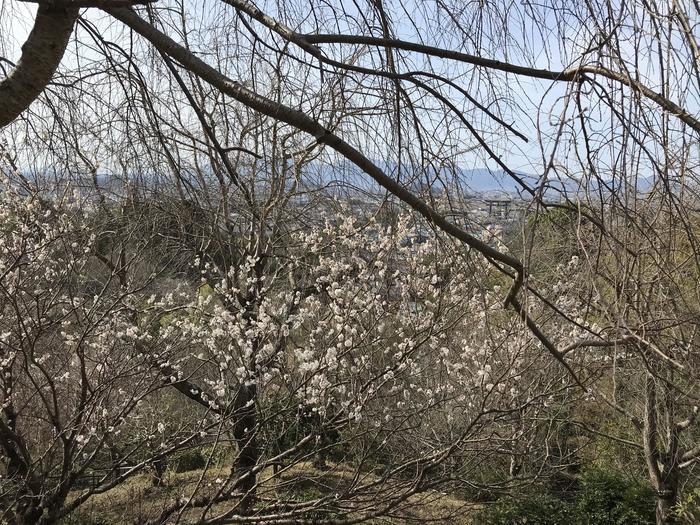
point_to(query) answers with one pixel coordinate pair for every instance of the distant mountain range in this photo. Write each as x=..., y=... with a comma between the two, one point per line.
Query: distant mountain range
x=486, y=180
x=477, y=181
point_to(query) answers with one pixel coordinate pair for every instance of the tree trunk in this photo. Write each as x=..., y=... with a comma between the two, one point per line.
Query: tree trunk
x=159, y=468
x=41, y=54
x=666, y=499
x=244, y=433
x=662, y=465
x=29, y=516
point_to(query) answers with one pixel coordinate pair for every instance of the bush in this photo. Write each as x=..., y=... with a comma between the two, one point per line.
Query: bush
x=688, y=508
x=607, y=498
x=603, y=498
x=189, y=460
x=532, y=509
x=488, y=484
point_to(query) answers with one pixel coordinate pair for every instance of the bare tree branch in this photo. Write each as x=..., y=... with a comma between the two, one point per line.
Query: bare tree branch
x=41, y=54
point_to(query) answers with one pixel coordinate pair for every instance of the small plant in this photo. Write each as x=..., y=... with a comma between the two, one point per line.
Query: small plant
x=688, y=508
x=189, y=460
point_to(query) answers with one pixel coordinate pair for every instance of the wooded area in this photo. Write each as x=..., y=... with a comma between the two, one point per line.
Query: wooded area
x=246, y=277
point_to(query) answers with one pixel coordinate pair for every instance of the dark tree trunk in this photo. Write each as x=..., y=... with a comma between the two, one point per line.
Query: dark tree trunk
x=159, y=468
x=665, y=501
x=667, y=497
x=244, y=433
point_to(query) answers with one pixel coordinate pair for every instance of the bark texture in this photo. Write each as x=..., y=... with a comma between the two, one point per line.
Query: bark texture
x=41, y=54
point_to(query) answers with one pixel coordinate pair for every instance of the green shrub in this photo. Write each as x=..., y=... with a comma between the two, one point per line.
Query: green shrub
x=531, y=509
x=607, y=498
x=488, y=484
x=602, y=498
x=688, y=508
x=189, y=460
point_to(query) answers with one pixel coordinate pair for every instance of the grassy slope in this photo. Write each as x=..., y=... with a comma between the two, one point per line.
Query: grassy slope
x=137, y=500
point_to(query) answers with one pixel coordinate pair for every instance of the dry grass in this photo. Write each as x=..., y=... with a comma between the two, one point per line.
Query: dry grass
x=137, y=501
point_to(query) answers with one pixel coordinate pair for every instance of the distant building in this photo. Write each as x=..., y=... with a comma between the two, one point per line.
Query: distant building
x=499, y=209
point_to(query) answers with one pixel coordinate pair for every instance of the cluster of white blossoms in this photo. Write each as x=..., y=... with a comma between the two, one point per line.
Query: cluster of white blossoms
x=75, y=350
x=382, y=325
x=373, y=321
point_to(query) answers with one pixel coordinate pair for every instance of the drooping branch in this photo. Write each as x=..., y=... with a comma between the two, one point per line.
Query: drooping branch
x=309, y=43
x=41, y=55
x=305, y=123
x=572, y=74
x=302, y=121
